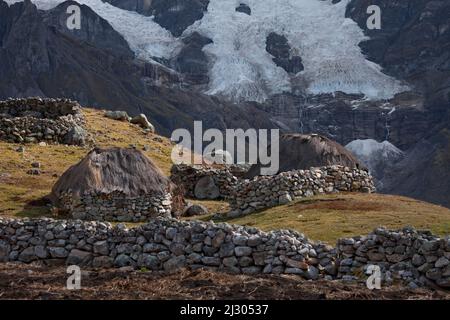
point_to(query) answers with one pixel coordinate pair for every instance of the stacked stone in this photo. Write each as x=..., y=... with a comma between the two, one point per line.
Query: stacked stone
x=165, y=244
x=223, y=177
x=416, y=257
x=268, y=191
x=117, y=207
x=33, y=120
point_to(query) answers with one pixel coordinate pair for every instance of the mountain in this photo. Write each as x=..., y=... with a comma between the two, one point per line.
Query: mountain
x=305, y=66
x=39, y=56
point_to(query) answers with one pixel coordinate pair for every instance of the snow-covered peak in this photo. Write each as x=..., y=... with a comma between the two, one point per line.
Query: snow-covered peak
x=377, y=156
x=241, y=68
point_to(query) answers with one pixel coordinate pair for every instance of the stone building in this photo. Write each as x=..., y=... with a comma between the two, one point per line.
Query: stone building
x=114, y=185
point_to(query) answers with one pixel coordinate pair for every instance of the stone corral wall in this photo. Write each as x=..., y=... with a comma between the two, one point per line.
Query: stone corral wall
x=205, y=182
x=32, y=120
x=416, y=257
x=165, y=244
x=268, y=191
x=117, y=207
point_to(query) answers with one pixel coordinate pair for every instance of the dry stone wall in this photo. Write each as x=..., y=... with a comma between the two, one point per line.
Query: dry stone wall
x=117, y=207
x=165, y=244
x=419, y=258
x=31, y=120
x=269, y=191
x=205, y=182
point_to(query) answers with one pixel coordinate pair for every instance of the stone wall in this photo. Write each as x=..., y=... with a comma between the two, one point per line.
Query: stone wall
x=32, y=120
x=215, y=182
x=165, y=244
x=417, y=257
x=268, y=191
x=168, y=244
x=117, y=207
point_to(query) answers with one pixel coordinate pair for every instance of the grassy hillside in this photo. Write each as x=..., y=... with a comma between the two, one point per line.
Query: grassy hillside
x=19, y=191
x=330, y=217
x=323, y=218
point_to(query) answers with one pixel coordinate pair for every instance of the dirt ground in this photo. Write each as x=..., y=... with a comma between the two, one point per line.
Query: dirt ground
x=19, y=281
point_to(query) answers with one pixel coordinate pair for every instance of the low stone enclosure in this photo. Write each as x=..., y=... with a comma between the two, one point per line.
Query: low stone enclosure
x=247, y=196
x=114, y=184
x=418, y=258
x=268, y=191
x=30, y=120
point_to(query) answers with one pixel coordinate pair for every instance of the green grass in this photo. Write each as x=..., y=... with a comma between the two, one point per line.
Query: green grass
x=330, y=217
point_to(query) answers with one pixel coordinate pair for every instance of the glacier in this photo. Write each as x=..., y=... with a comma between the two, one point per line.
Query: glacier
x=241, y=68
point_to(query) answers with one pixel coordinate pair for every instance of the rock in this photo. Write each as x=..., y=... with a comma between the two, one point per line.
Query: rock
x=117, y=115
x=211, y=261
x=226, y=250
x=243, y=251
x=123, y=260
x=76, y=136
x=175, y=263
x=149, y=261
x=101, y=247
x=251, y=270
x=296, y=264
x=20, y=149
x=4, y=252
x=27, y=255
x=441, y=262
x=284, y=199
x=41, y=252
x=195, y=210
x=102, y=262
x=444, y=283
x=417, y=260
x=34, y=172
x=312, y=273
x=217, y=241
x=143, y=122
x=79, y=258
x=36, y=164
x=244, y=9
x=206, y=188
x=230, y=261
x=245, y=261
x=58, y=252
x=294, y=271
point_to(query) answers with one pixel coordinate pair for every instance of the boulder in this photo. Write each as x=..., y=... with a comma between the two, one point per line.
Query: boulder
x=195, y=210
x=143, y=122
x=206, y=188
x=117, y=115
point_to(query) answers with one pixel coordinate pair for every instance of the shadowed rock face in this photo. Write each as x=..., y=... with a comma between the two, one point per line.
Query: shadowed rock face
x=278, y=46
x=40, y=57
x=173, y=15
x=191, y=61
x=244, y=9
x=413, y=43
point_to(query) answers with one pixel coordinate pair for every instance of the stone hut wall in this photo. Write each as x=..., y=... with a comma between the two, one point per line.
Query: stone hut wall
x=169, y=244
x=32, y=120
x=117, y=207
x=187, y=177
x=268, y=191
x=417, y=257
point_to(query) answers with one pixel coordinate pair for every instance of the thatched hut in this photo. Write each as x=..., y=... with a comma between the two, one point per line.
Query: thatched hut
x=301, y=151
x=114, y=185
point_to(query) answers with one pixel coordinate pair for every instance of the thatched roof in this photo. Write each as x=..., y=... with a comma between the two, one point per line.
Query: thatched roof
x=107, y=170
x=299, y=151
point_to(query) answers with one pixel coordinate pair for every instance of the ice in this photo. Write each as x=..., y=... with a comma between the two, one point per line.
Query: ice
x=241, y=68
x=368, y=148
x=144, y=36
